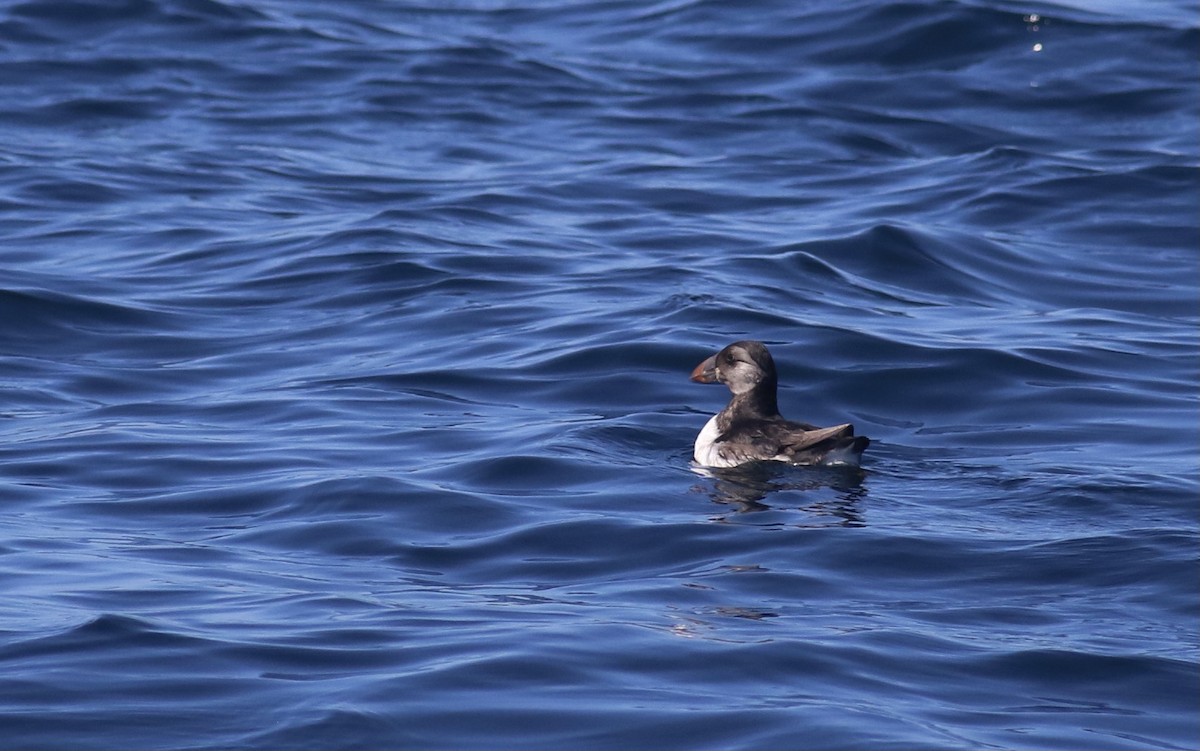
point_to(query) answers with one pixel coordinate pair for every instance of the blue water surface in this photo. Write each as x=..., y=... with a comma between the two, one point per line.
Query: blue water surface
x=344, y=353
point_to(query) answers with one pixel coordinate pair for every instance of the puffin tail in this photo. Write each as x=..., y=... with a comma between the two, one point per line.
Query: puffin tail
x=847, y=452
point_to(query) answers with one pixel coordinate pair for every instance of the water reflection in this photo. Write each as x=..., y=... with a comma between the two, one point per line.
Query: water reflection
x=747, y=487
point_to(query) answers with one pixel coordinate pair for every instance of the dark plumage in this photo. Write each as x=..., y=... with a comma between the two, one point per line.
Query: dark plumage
x=750, y=427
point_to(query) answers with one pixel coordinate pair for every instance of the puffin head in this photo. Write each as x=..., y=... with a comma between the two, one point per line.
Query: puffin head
x=741, y=366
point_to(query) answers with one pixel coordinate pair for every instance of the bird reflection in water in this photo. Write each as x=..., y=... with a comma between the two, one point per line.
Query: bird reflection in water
x=747, y=487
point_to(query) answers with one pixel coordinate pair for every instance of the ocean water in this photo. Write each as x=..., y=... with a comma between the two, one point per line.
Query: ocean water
x=344, y=353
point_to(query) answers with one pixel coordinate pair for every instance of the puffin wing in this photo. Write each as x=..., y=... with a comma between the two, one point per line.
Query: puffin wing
x=779, y=440
x=798, y=442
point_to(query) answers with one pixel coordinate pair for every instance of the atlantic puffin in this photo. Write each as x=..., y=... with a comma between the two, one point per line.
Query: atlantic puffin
x=750, y=427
